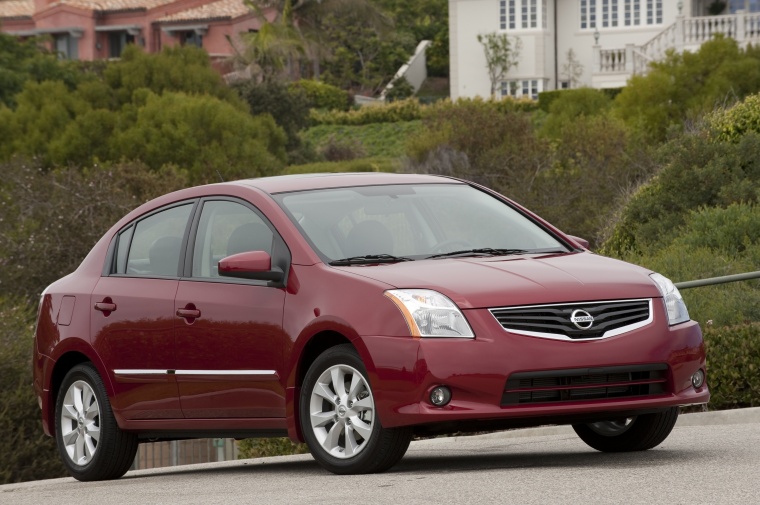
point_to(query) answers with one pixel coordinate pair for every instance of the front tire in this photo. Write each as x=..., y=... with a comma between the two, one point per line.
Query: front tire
x=89, y=441
x=338, y=417
x=638, y=433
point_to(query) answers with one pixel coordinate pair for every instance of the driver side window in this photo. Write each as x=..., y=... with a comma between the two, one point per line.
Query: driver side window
x=226, y=228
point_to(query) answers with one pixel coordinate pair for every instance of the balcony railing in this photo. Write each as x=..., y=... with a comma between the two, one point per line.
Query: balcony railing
x=618, y=64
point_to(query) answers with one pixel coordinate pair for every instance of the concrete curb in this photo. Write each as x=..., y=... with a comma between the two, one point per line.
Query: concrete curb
x=719, y=417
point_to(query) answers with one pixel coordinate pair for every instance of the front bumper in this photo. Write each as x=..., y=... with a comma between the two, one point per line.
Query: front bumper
x=404, y=370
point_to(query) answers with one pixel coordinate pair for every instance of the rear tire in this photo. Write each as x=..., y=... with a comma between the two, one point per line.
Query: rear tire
x=338, y=418
x=89, y=441
x=638, y=433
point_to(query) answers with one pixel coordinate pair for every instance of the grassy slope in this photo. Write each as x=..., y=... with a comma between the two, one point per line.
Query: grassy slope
x=379, y=139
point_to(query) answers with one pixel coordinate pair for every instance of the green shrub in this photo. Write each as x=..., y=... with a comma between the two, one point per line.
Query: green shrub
x=696, y=173
x=377, y=139
x=733, y=366
x=266, y=447
x=402, y=110
x=361, y=165
x=546, y=98
x=322, y=95
x=288, y=107
x=341, y=149
x=731, y=124
x=401, y=90
x=52, y=219
x=29, y=454
x=571, y=105
x=204, y=135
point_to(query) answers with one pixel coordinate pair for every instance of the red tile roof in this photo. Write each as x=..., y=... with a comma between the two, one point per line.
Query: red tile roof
x=221, y=9
x=16, y=8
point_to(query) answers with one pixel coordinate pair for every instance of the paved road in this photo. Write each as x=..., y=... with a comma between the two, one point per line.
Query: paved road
x=709, y=458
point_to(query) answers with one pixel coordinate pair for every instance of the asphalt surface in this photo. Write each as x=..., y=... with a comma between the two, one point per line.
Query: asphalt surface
x=709, y=458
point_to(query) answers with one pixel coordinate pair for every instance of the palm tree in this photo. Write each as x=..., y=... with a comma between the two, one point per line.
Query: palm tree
x=292, y=30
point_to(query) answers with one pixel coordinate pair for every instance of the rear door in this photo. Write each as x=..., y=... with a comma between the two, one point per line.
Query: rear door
x=132, y=317
x=230, y=341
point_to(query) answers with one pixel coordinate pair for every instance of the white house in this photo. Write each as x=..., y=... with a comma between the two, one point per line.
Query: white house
x=611, y=39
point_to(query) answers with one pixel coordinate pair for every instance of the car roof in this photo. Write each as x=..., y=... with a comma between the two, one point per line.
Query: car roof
x=304, y=182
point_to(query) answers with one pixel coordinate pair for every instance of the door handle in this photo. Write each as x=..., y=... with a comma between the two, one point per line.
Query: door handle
x=189, y=313
x=106, y=306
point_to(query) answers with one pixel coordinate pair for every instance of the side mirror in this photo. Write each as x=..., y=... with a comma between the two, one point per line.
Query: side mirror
x=250, y=265
x=581, y=241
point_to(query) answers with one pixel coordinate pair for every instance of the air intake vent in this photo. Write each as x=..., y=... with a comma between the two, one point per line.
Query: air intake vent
x=584, y=384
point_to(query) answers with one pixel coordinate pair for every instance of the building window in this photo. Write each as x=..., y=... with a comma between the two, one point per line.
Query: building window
x=117, y=41
x=66, y=46
x=523, y=88
x=522, y=14
x=735, y=6
x=192, y=38
x=614, y=13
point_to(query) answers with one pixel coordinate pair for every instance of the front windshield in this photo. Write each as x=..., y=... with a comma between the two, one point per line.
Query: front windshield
x=411, y=221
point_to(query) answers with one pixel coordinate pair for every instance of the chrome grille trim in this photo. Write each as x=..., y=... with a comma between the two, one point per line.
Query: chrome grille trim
x=585, y=305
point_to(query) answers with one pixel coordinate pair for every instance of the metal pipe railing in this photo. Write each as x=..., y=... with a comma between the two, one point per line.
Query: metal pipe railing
x=718, y=280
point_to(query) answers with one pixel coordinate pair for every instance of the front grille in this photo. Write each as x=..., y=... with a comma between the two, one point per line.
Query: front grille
x=583, y=384
x=553, y=321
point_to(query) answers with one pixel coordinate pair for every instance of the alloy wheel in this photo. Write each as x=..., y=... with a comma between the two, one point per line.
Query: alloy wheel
x=612, y=428
x=80, y=422
x=342, y=411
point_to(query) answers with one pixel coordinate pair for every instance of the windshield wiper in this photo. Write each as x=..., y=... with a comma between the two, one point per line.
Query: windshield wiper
x=369, y=259
x=483, y=251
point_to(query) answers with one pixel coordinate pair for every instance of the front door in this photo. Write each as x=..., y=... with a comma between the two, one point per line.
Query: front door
x=229, y=331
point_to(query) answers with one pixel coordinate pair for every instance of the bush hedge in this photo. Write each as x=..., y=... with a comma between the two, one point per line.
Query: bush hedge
x=322, y=95
x=28, y=453
x=733, y=366
x=361, y=165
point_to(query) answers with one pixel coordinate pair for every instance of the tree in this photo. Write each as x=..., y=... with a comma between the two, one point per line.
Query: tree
x=572, y=69
x=683, y=87
x=501, y=55
x=22, y=61
x=293, y=30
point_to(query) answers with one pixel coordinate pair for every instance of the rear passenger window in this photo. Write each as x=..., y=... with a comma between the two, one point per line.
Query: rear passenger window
x=157, y=243
x=123, y=248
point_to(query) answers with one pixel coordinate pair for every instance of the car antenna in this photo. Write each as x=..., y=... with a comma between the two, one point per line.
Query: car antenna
x=220, y=175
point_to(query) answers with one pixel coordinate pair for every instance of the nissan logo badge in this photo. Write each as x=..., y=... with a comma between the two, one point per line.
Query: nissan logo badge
x=582, y=319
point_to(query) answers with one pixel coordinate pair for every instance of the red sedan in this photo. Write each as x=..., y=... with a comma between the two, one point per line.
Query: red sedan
x=354, y=312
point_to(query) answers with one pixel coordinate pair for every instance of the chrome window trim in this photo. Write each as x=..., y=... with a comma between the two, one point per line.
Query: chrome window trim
x=557, y=336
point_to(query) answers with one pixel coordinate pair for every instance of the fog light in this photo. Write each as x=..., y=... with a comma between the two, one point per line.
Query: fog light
x=440, y=396
x=698, y=379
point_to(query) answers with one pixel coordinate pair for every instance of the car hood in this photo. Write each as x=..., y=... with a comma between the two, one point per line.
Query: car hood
x=518, y=280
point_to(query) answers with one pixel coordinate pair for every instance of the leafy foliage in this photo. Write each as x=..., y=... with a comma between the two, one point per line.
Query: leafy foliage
x=731, y=124
x=569, y=105
x=501, y=55
x=184, y=69
x=733, y=362
x=288, y=107
x=697, y=173
x=30, y=455
x=377, y=139
x=400, y=90
x=402, y=110
x=360, y=165
x=322, y=95
x=52, y=219
x=686, y=85
x=28, y=60
x=266, y=447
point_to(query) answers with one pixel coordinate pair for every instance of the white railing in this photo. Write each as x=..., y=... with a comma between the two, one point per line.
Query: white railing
x=612, y=60
x=700, y=30
x=684, y=34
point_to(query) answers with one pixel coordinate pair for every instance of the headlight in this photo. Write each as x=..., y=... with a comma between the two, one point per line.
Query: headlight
x=677, y=312
x=430, y=314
